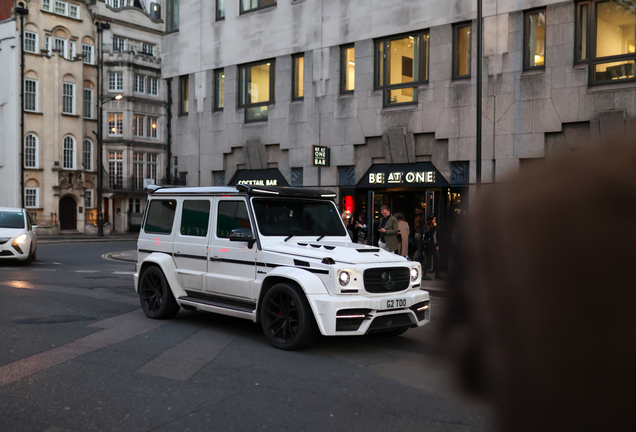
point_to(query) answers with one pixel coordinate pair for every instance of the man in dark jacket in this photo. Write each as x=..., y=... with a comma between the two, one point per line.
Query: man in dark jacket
x=388, y=231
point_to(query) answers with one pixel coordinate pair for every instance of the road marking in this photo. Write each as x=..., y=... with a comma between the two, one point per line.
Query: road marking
x=202, y=347
x=115, y=330
x=87, y=271
x=43, y=270
x=123, y=273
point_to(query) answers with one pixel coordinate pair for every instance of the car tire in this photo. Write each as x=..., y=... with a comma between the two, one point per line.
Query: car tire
x=33, y=257
x=394, y=331
x=156, y=296
x=287, y=319
x=29, y=258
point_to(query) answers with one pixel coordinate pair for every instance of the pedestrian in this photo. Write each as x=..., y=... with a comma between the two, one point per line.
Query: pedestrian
x=388, y=230
x=345, y=220
x=361, y=229
x=404, y=232
x=419, y=233
x=430, y=247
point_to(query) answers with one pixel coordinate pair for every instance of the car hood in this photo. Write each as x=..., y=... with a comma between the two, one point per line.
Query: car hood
x=350, y=253
x=9, y=233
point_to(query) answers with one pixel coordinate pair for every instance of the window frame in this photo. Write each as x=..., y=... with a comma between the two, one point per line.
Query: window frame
x=217, y=14
x=27, y=191
x=218, y=104
x=64, y=52
x=73, y=153
x=90, y=105
x=386, y=88
x=456, y=28
x=149, y=86
x=36, y=151
x=55, y=3
x=72, y=96
x=46, y=5
x=118, y=82
x=258, y=8
x=592, y=36
x=35, y=41
x=71, y=49
x=91, y=55
x=184, y=103
x=138, y=119
x=110, y=129
x=139, y=82
x=77, y=9
x=526, y=39
x=294, y=58
x=36, y=95
x=151, y=129
x=343, y=68
x=172, y=11
x=89, y=200
x=121, y=48
x=243, y=88
x=89, y=153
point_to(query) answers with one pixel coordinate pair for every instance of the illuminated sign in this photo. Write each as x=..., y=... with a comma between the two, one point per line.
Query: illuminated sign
x=399, y=177
x=321, y=156
x=258, y=182
x=421, y=174
x=263, y=177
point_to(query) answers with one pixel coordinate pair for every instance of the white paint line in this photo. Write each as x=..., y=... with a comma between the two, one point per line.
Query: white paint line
x=43, y=270
x=87, y=271
x=123, y=273
x=201, y=349
x=56, y=263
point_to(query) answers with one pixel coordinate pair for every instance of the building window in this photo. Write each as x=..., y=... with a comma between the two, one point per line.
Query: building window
x=116, y=4
x=461, y=51
x=252, y=5
x=138, y=171
x=87, y=52
x=71, y=50
x=134, y=205
x=219, y=89
x=115, y=170
x=148, y=49
x=184, y=94
x=140, y=83
x=119, y=43
x=459, y=173
x=152, y=127
x=30, y=95
x=220, y=10
x=115, y=81
x=46, y=5
x=73, y=11
x=60, y=44
x=534, y=36
x=32, y=197
x=68, y=153
x=138, y=125
x=347, y=175
x=153, y=86
x=347, y=69
x=115, y=124
x=30, y=42
x=151, y=167
x=87, y=155
x=256, y=89
x=47, y=45
x=31, y=153
x=88, y=103
x=68, y=98
x=401, y=66
x=172, y=15
x=60, y=7
x=219, y=178
x=606, y=37
x=88, y=198
x=297, y=177
x=298, y=72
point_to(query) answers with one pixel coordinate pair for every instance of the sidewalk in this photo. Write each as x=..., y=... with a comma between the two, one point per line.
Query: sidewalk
x=81, y=238
x=435, y=287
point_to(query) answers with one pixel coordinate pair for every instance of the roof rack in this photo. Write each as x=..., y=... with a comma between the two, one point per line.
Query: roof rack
x=152, y=189
x=286, y=191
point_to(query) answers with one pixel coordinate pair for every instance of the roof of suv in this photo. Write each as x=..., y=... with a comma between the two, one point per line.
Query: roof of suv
x=245, y=190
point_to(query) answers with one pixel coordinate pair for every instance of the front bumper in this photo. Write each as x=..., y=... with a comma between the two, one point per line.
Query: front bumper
x=359, y=315
x=10, y=251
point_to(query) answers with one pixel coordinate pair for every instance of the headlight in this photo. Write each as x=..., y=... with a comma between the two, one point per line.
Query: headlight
x=415, y=273
x=21, y=238
x=344, y=277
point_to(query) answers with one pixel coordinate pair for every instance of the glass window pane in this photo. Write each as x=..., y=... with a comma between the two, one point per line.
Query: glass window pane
x=258, y=86
x=220, y=9
x=219, y=89
x=584, y=12
x=160, y=216
x=256, y=113
x=299, y=75
x=195, y=218
x=615, y=30
x=379, y=64
x=403, y=60
x=349, y=69
x=535, y=50
x=614, y=71
x=232, y=215
x=425, y=44
x=403, y=95
x=462, y=51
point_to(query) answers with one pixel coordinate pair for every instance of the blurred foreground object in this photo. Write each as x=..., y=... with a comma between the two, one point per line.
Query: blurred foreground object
x=543, y=317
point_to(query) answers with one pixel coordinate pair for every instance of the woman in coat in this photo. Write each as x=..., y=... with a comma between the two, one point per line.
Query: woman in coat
x=403, y=236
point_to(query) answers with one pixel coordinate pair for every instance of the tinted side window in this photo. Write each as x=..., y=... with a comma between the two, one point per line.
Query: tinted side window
x=232, y=215
x=194, y=218
x=160, y=216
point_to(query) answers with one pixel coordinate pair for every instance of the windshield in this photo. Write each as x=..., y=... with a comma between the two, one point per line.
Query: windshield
x=280, y=217
x=11, y=219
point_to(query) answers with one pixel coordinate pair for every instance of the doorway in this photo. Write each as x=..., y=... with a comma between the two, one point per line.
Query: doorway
x=68, y=213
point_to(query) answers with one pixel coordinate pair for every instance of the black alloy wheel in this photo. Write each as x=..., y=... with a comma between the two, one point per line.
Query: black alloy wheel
x=155, y=295
x=286, y=318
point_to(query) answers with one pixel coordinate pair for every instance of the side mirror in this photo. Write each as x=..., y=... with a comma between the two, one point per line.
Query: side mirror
x=243, y=235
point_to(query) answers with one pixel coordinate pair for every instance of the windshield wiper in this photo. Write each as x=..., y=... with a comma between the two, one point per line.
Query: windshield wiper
x=298, y=233
x=326, y=234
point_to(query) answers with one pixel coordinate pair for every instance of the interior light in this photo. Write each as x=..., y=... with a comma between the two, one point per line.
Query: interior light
x=114, y=130
x=352, y=62
x=154, y=125
x=267, y=64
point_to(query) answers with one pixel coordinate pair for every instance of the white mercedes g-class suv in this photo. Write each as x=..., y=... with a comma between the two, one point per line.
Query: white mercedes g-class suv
x=278, y=256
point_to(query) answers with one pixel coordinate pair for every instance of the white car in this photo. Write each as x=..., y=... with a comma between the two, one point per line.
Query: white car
x=18, y=235
x=278, y=256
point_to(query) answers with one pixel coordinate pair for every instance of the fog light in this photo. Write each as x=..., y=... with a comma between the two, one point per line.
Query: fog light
x=415, y=273
x=344, y=278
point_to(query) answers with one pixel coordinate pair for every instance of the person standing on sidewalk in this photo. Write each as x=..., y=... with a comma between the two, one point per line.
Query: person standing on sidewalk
x=388, y=230
x=429, y=243
x=404, y=233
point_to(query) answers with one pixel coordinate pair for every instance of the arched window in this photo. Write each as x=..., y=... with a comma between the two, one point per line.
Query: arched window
x=87, y=155
x=68, y=156
x=31, y=151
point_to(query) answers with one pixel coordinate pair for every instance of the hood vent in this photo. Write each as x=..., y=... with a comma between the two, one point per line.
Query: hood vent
x=328, y=261
x=368, y=250
x=316, y=246
x=329, y=247
x=300, y=263
x=302, y=244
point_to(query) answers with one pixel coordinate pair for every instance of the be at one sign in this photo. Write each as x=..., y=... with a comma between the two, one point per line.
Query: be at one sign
x=322, y=156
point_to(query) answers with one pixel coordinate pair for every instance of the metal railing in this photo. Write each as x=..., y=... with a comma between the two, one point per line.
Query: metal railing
x=114, y=183
x=134, y=48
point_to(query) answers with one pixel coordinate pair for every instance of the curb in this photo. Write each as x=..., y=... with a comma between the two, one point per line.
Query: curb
x=44, y=240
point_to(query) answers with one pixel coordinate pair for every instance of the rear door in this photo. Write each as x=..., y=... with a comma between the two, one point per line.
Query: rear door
x=157, y=232
x=232, y=265
x=191, y=242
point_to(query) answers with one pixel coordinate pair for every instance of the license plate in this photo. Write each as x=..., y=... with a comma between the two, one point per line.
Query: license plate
x=394, y=303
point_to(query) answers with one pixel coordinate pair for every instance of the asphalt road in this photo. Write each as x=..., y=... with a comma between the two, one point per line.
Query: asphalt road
x=79, y=355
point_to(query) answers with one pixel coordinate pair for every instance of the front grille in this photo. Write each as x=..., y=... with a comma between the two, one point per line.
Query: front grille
x=384, y=280
x=6, y=253
x=391, y=321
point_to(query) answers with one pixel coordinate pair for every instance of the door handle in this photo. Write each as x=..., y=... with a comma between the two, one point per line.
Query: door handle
x=214, y=258
x=177, y=254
